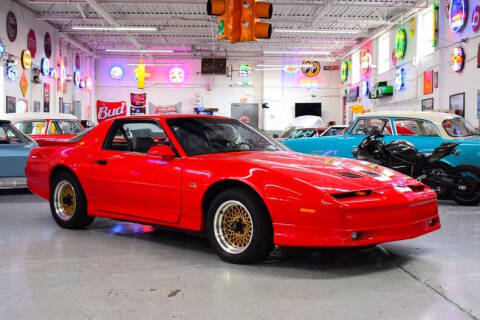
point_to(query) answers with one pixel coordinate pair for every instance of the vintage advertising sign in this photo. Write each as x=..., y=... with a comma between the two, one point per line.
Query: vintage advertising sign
x=138, y=99
x=108, y=110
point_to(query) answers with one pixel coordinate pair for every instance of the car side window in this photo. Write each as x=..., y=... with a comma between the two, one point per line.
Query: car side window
x=415, y=127
x=364, y=126
x=7, y=136
x=136, y=136
x=32, y=127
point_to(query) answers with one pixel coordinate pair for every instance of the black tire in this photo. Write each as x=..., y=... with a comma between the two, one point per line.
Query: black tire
x=471, y=195
x=77, y=217
x=260, y=243
x=442, y=192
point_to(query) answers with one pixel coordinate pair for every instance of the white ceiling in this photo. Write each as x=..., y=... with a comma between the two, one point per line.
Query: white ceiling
x=184, y=26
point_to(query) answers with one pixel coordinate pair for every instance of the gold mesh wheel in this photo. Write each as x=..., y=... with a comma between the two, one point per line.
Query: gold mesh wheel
x=233, y=227
x=64, y=200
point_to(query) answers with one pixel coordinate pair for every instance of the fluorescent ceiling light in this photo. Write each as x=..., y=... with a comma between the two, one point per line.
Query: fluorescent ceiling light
x=298, y=52
x=283, y=65
x=140, y=50
x=88, y=28
x=323, y=31
x=155, y=64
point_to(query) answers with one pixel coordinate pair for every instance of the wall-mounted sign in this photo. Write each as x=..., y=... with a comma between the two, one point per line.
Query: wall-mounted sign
x=365, y=88
x=428, y=82
x=26, y=59
x=394, y=59
x=116, y=73
x=24, y=83
x=88, y=83
x=62, y=75
x=11, y=26
x=2, y=49
x=353, y=94
x=176, y=75
x=309, y=83
x=12, y=72
x=107, y=110
x=331, y=68
x=400, y=43
x=399, y=79
x=76, y=78
x=32, y=42
x=141, y=74
x=476, y=19
x=344, y=70
x=245, y=71
x=47, y=45
x=291, y=70
x=82, y=84
x=45, y=66
x=412, y=26
x=138, y=99
x=311, y=68
x=138, y=110
x=77, y=61
x=365, y=61
x=457, y=59
x=53, y=73
x=457, y=15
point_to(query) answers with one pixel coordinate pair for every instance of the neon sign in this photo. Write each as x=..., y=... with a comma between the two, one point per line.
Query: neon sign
x=245, y=70
x=116, y=73
x=399, y=79
x=457, y=15
x=45, y=66
x=26, y=59
x=176, y=75
x=457, y=59
x=76, y=78
x=365, y=88
x=12, y=72
x=365, y=60
x=344, y=71
x=291, y=70
x=400, y=43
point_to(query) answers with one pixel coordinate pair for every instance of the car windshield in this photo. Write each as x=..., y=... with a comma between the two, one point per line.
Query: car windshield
x=288, y=133
x=458, y=127
x=11, y=135
x=65, y=127
x=215, y=135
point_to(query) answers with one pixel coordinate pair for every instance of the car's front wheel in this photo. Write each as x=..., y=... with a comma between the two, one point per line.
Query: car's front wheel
x=68, y=203
x=239, y=227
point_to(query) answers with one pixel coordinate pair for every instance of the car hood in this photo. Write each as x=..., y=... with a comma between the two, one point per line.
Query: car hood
x=326, y=173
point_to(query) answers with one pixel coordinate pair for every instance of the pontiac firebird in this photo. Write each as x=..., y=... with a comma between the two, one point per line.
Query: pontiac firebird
x=225, y=178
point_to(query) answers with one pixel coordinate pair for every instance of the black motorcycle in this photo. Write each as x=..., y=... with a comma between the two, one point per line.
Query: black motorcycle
x=461, y=182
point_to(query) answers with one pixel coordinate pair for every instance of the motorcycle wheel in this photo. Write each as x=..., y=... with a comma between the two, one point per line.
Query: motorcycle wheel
x=440, y=168
x=470, y=196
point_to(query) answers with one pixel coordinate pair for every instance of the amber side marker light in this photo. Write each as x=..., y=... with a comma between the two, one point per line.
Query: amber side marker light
x=353, y=194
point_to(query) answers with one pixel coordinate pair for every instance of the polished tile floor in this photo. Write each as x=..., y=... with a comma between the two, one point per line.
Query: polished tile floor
x=126, y=271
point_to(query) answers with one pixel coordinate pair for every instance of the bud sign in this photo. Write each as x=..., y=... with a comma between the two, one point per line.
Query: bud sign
x=107, y=110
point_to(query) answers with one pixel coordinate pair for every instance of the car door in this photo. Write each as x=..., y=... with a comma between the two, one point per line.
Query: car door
x=130, y=182
x=423, y=134
x=14, y=153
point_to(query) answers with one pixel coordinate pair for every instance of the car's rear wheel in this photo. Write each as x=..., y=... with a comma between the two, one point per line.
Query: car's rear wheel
x=68, y=203
x=239, y=227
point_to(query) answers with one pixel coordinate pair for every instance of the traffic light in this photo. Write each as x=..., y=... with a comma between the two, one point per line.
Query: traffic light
x=239, y=20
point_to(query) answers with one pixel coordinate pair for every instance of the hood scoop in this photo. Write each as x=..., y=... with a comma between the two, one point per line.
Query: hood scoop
x=349, y=175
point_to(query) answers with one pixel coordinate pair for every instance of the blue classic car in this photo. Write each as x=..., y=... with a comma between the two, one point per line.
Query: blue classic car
x=14, y=150
x=426, y=130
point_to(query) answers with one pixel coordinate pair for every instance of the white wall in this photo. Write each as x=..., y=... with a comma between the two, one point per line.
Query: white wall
x=27, y=21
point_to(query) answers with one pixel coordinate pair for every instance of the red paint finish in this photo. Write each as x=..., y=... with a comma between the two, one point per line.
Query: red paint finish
x=300, y=191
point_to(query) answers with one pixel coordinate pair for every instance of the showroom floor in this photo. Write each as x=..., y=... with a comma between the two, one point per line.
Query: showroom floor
x=126, y=271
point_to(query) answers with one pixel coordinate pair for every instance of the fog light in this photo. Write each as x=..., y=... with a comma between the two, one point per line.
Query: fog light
x=354, y=235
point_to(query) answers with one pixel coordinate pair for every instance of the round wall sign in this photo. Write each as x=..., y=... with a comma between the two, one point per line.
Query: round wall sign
x=47, y=45
x=32, y=42
x=400, y=43
x=45, y=66
x=311, y=68
x=365, y=60
x=116, y=73
x=344, y=70
x=176, y=75
x=457, y=15
x=26, y=59
x=11, y=26
x=476, y=19
x=457, y=59
x=77, y=62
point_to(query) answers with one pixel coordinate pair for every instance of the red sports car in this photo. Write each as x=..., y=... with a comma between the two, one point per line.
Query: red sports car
x=223, y=177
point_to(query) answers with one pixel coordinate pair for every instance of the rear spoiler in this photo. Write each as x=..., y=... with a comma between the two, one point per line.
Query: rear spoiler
x=45, y=142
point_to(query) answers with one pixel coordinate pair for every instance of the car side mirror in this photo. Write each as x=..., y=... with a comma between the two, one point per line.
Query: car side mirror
x=162, y=151
x=275, y=136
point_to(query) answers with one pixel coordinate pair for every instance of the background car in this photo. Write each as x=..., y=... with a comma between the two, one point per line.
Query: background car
x=300, y=123
x=47, y=126
x=305, y=133
x=425, y=130
x=14, y=150
x=223, y=177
